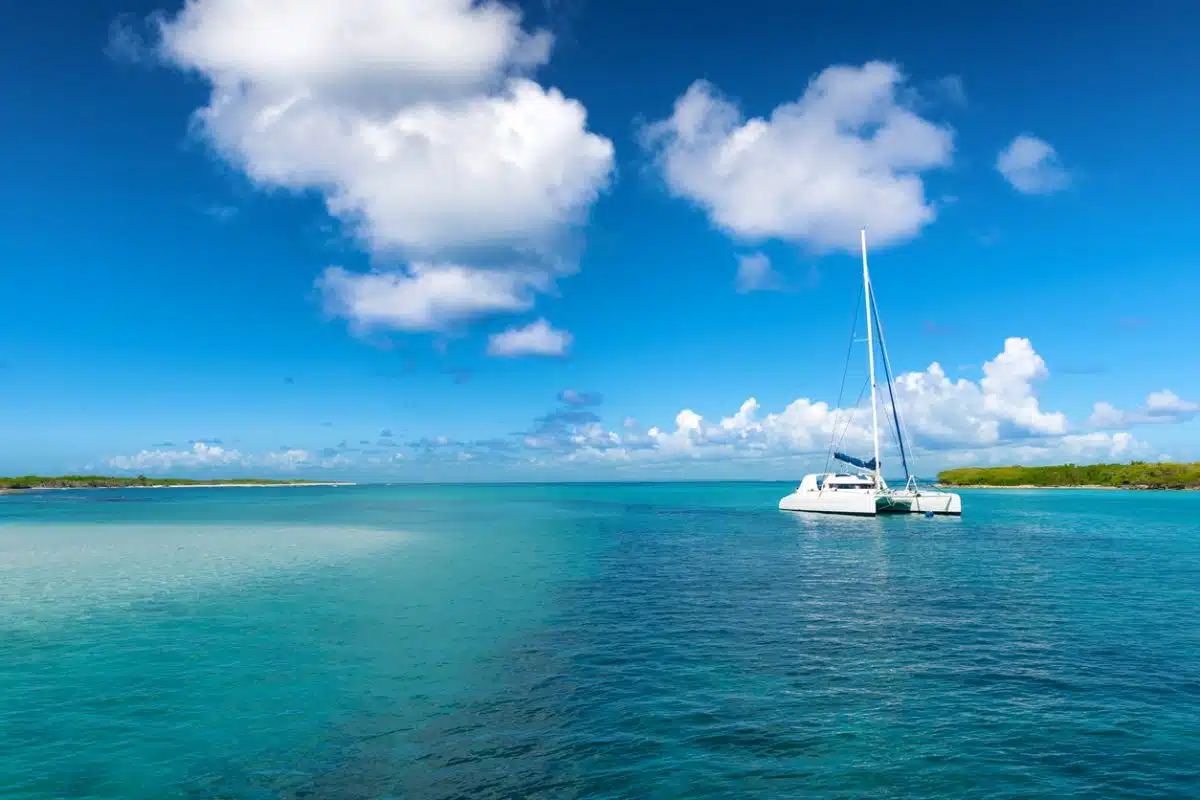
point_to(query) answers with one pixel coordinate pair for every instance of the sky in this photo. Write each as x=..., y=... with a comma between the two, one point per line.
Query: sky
x=572, y=240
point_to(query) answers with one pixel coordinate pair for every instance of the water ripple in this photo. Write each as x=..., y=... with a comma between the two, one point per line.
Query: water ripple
x=608, y=642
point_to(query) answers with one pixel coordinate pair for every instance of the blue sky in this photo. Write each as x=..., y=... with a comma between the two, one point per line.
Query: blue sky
x=244, y=242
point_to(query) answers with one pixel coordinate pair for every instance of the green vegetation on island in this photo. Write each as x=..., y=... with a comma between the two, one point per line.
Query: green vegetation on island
x=1135, y=475
x=27, y=482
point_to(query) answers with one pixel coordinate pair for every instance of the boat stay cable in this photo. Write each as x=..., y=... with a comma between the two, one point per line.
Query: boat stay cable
x=887, y=375
x=901, y=430
x=834, y=439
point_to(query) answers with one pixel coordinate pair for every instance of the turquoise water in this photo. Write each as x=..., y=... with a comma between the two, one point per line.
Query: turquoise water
x=649, y=641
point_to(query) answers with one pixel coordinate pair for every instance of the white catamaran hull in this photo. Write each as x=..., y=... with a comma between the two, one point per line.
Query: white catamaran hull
x=923, y=502
x=853, y=502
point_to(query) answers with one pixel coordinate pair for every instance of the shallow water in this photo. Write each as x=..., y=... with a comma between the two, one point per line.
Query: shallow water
x=682, y=640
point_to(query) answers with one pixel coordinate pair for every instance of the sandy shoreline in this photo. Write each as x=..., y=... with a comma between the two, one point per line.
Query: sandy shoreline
x=233, y=485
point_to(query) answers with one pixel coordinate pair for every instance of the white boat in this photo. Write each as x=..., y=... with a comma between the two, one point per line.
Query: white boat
x=865, y=492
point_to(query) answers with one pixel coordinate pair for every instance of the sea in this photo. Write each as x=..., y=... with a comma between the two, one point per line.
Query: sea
x=595, y=641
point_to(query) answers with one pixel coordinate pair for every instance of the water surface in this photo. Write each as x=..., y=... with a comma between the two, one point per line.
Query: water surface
x=669, y=640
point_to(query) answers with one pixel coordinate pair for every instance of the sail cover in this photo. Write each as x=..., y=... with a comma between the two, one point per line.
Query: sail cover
x=858, y=462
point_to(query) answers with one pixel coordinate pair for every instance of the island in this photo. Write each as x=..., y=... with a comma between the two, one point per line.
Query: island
x=28, y=483
x=1134, y=475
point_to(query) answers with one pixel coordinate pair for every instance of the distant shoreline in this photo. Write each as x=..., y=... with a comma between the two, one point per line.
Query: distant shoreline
x=1090, y=486
x=238, y=485
x=25, y=489
x=1138, y=476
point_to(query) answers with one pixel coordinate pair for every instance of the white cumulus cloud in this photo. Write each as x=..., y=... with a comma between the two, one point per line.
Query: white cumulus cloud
x=201, y=454
x=1032, y=166
x=849, y=153
x=1000, y=413
x=1163, y=406
x=205, y=456
x=537, y=338
x=418, y=123
x=425, y=297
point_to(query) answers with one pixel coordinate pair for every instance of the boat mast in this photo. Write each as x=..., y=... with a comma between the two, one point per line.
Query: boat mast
x=871, y=357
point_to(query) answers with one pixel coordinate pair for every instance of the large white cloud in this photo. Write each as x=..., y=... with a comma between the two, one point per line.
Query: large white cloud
x=418, y=124
x=848, y=154
x=419, y=47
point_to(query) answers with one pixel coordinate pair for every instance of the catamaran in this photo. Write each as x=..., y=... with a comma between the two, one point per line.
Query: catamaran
x=865, y=492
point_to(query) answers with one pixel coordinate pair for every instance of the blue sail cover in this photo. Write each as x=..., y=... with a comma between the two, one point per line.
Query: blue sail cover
x=858, y=462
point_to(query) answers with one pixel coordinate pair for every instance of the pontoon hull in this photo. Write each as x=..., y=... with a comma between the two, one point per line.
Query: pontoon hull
x=854, y=503
x=923, y=502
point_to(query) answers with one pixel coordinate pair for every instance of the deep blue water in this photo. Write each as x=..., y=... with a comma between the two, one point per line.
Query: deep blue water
x=603, y=641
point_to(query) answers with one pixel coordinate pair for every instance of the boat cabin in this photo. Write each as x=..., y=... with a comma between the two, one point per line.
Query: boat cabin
x=818, y=482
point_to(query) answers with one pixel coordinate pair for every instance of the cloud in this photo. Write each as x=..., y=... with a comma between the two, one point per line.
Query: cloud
x=425, y=297
x=574, y=397
x=199, y=455
x=418, y=123
x=755, y=274
x=206, y=457
x=940, y=415
x=1074, y=448
x=849, y=153
x=1032, y=166
x=535, y=339
x=1161, y=407
x=286, y=460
